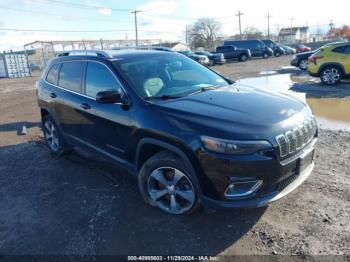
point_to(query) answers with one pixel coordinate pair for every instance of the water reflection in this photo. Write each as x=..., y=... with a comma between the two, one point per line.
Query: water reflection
x=332, y=113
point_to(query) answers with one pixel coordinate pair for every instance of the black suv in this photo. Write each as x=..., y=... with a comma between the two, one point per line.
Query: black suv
x=233, y=53
x=190, y=135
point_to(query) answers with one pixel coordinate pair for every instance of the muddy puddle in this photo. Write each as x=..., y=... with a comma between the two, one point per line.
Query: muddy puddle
x=331, y=105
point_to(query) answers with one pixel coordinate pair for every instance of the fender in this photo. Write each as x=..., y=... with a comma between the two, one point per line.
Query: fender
x=171, y=148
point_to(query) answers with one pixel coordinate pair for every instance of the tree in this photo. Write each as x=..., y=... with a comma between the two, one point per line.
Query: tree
x=204, y=33
x=252, y=33
x=345, y=31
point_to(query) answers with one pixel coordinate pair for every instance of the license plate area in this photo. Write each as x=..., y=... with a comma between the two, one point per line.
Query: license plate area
x=305, y=161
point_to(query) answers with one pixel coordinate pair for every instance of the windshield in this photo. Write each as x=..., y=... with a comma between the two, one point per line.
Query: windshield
x=167, y=75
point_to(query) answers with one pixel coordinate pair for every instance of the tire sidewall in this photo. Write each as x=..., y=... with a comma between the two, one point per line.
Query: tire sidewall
x=243, y=58
x=168, y=160
x=61, y=142
x=301, y=64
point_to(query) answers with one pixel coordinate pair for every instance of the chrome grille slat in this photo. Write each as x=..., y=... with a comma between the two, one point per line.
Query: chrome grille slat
x=294, y=140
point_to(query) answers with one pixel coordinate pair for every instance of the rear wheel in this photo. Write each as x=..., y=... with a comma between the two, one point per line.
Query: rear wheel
x=277, y=54
x=331, y=75
x=53, y=136
x=303, y=64
x=165, y=182
x=265, y=55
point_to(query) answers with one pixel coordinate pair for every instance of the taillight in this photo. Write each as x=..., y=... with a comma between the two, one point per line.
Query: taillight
x=313, y=59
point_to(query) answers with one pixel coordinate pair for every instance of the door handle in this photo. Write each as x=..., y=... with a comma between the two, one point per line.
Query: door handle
x=53, y=95
x=85, y=106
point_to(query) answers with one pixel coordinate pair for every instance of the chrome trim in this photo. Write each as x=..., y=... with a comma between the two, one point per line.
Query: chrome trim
x=254, y=188
x=300, y=136
x=83, y=95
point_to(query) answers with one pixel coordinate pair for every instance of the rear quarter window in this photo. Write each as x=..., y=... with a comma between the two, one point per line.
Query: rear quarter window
x=339, y=49
x=70, y=76
x=52, y=75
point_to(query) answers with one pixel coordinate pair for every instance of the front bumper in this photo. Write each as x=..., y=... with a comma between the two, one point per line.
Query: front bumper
x=284, y=178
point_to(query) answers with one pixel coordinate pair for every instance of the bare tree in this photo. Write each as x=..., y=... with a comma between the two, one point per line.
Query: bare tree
x=204, y=33
x=252, y=33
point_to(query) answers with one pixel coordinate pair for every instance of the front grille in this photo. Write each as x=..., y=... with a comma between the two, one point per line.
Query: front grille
x=294, y=140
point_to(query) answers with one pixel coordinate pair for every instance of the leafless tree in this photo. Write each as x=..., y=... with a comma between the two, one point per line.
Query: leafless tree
x=204, y=33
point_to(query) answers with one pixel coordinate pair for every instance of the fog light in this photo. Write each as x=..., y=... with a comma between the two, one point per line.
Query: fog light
x=242, y=188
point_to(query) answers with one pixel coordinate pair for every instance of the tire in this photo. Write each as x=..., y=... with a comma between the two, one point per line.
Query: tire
x=53, y=137
x=165, y=182
x=243, y=57
x=265, y=55
x=277, y=54
x=303, y=65
x=331, y=75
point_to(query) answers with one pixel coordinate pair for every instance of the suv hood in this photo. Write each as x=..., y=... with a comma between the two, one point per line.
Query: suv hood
x=235, y=105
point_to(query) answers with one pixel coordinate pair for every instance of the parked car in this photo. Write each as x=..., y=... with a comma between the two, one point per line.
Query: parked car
x=301, y=48
x=331, y=63
x=276, y=48
x=233, y=53
x=300, y=60
x=289, y=50
x=256, y=47
x=214, y=58
x=189, y=135
x=204, y=60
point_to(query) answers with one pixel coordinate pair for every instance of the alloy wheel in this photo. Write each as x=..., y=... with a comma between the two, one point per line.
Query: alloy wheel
x=51, y=136
x=303, y=65
x=171, y=190
x=331, y=76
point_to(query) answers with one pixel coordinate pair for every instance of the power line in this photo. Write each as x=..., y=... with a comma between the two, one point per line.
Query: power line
x=58, y=15
x=85, y=6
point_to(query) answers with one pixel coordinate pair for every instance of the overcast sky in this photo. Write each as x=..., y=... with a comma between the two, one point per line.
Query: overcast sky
x=164, y=19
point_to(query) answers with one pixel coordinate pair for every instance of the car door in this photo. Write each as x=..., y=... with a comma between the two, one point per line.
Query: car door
x=107, y=127
x=66, y=99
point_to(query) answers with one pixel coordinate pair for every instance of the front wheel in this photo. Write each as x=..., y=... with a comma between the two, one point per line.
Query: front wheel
x=330, y=75
x=277, y=54
x=265, y=55
x=165, y=182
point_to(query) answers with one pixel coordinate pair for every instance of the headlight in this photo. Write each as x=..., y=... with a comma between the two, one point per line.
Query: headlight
x=234, y=147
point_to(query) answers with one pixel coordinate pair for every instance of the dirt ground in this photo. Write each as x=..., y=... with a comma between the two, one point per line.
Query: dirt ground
x=79, y=205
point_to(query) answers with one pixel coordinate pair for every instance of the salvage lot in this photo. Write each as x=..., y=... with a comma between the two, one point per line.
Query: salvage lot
x=78, y=205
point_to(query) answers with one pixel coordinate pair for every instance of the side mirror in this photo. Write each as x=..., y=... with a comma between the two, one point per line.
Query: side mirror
x=108, y=97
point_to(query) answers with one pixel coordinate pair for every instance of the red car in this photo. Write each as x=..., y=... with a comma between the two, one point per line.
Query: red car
x=301, y=48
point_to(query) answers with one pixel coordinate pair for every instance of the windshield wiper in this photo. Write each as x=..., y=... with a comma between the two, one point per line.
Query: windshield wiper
x=162, y=97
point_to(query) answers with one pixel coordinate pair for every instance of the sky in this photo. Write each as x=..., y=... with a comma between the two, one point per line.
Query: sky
x=158, y=19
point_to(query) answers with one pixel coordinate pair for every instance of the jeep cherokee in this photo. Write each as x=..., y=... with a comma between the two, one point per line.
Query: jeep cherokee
x=191, y=136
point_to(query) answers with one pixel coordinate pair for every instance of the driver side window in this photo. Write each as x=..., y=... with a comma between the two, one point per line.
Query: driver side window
x=99, y=78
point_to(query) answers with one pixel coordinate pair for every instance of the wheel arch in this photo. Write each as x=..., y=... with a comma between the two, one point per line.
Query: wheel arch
x=340, y=66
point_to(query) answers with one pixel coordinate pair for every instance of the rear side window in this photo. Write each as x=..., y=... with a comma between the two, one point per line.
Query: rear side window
x=339, y=49
x=52, y=76
x=99, y=78
x=347, y=50
x=71, y=75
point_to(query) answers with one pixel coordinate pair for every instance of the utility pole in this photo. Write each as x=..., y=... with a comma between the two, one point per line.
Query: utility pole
x=268, y=25
x=136, y=32
x=239, y=14
x=186, y=35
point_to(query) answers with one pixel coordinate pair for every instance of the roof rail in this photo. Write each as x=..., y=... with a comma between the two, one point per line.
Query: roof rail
x=86, y=53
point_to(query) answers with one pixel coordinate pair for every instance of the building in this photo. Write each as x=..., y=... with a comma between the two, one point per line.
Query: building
x=294, y=35
x=176, y=46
